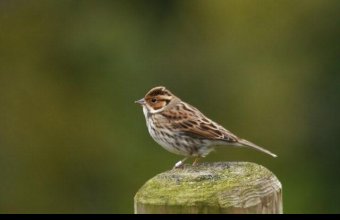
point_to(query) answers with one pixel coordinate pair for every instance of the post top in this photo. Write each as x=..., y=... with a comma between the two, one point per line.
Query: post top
x=220, y=184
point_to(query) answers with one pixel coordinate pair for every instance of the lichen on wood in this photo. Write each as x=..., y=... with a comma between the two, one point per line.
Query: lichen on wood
x=223, y=187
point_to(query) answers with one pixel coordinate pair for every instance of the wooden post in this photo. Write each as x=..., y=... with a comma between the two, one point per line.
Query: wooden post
x=223, y=187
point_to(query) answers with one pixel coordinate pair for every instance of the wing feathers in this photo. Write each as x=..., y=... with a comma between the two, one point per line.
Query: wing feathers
x=189, y=121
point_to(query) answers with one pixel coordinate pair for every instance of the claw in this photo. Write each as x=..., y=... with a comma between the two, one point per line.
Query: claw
x=180, y=163
x=196, y=161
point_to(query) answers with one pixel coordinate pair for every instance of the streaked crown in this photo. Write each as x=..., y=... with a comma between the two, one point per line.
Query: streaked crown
x=158, y=97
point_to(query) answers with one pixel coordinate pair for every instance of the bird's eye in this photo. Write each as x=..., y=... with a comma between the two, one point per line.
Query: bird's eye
x=153, y=100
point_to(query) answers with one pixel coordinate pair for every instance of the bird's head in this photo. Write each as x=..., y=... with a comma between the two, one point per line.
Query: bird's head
x=156, y=100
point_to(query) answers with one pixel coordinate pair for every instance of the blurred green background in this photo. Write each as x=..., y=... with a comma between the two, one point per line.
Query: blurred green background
x=73, y=141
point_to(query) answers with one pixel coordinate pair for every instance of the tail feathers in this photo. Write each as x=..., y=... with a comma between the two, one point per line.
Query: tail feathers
x=252, y=145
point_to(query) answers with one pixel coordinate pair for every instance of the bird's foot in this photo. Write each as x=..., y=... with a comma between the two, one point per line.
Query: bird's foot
x=180, y=164
x=195, y=163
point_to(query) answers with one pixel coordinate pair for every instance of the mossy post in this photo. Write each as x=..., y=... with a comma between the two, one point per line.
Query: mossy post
x=233, y=187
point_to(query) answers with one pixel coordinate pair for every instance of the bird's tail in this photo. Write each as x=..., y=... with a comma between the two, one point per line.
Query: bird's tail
x=252, y=145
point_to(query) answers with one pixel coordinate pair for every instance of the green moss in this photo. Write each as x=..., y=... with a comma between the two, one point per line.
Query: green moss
x=203, y=185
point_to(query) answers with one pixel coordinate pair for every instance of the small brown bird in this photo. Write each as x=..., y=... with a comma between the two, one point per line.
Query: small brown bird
x=182, y=129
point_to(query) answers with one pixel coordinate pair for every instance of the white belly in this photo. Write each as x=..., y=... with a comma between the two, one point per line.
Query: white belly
x=166, y=143
x=202, y=147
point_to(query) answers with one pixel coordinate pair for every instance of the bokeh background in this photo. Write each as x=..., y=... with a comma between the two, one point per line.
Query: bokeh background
x=73, y=141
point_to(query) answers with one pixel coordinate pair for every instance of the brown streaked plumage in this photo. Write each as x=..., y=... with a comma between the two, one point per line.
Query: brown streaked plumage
x=182, y=129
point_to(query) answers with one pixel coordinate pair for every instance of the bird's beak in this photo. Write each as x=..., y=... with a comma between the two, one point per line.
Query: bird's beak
x=141, y=102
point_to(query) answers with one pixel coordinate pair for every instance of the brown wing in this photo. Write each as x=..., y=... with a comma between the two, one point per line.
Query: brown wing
x=210, y=131
x=187, y=120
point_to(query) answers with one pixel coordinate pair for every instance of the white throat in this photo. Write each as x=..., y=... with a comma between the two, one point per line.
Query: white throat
x=147, y=111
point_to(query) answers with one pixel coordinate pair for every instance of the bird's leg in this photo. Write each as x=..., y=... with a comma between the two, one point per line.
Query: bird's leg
x=196, y=161
x=180, y=163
